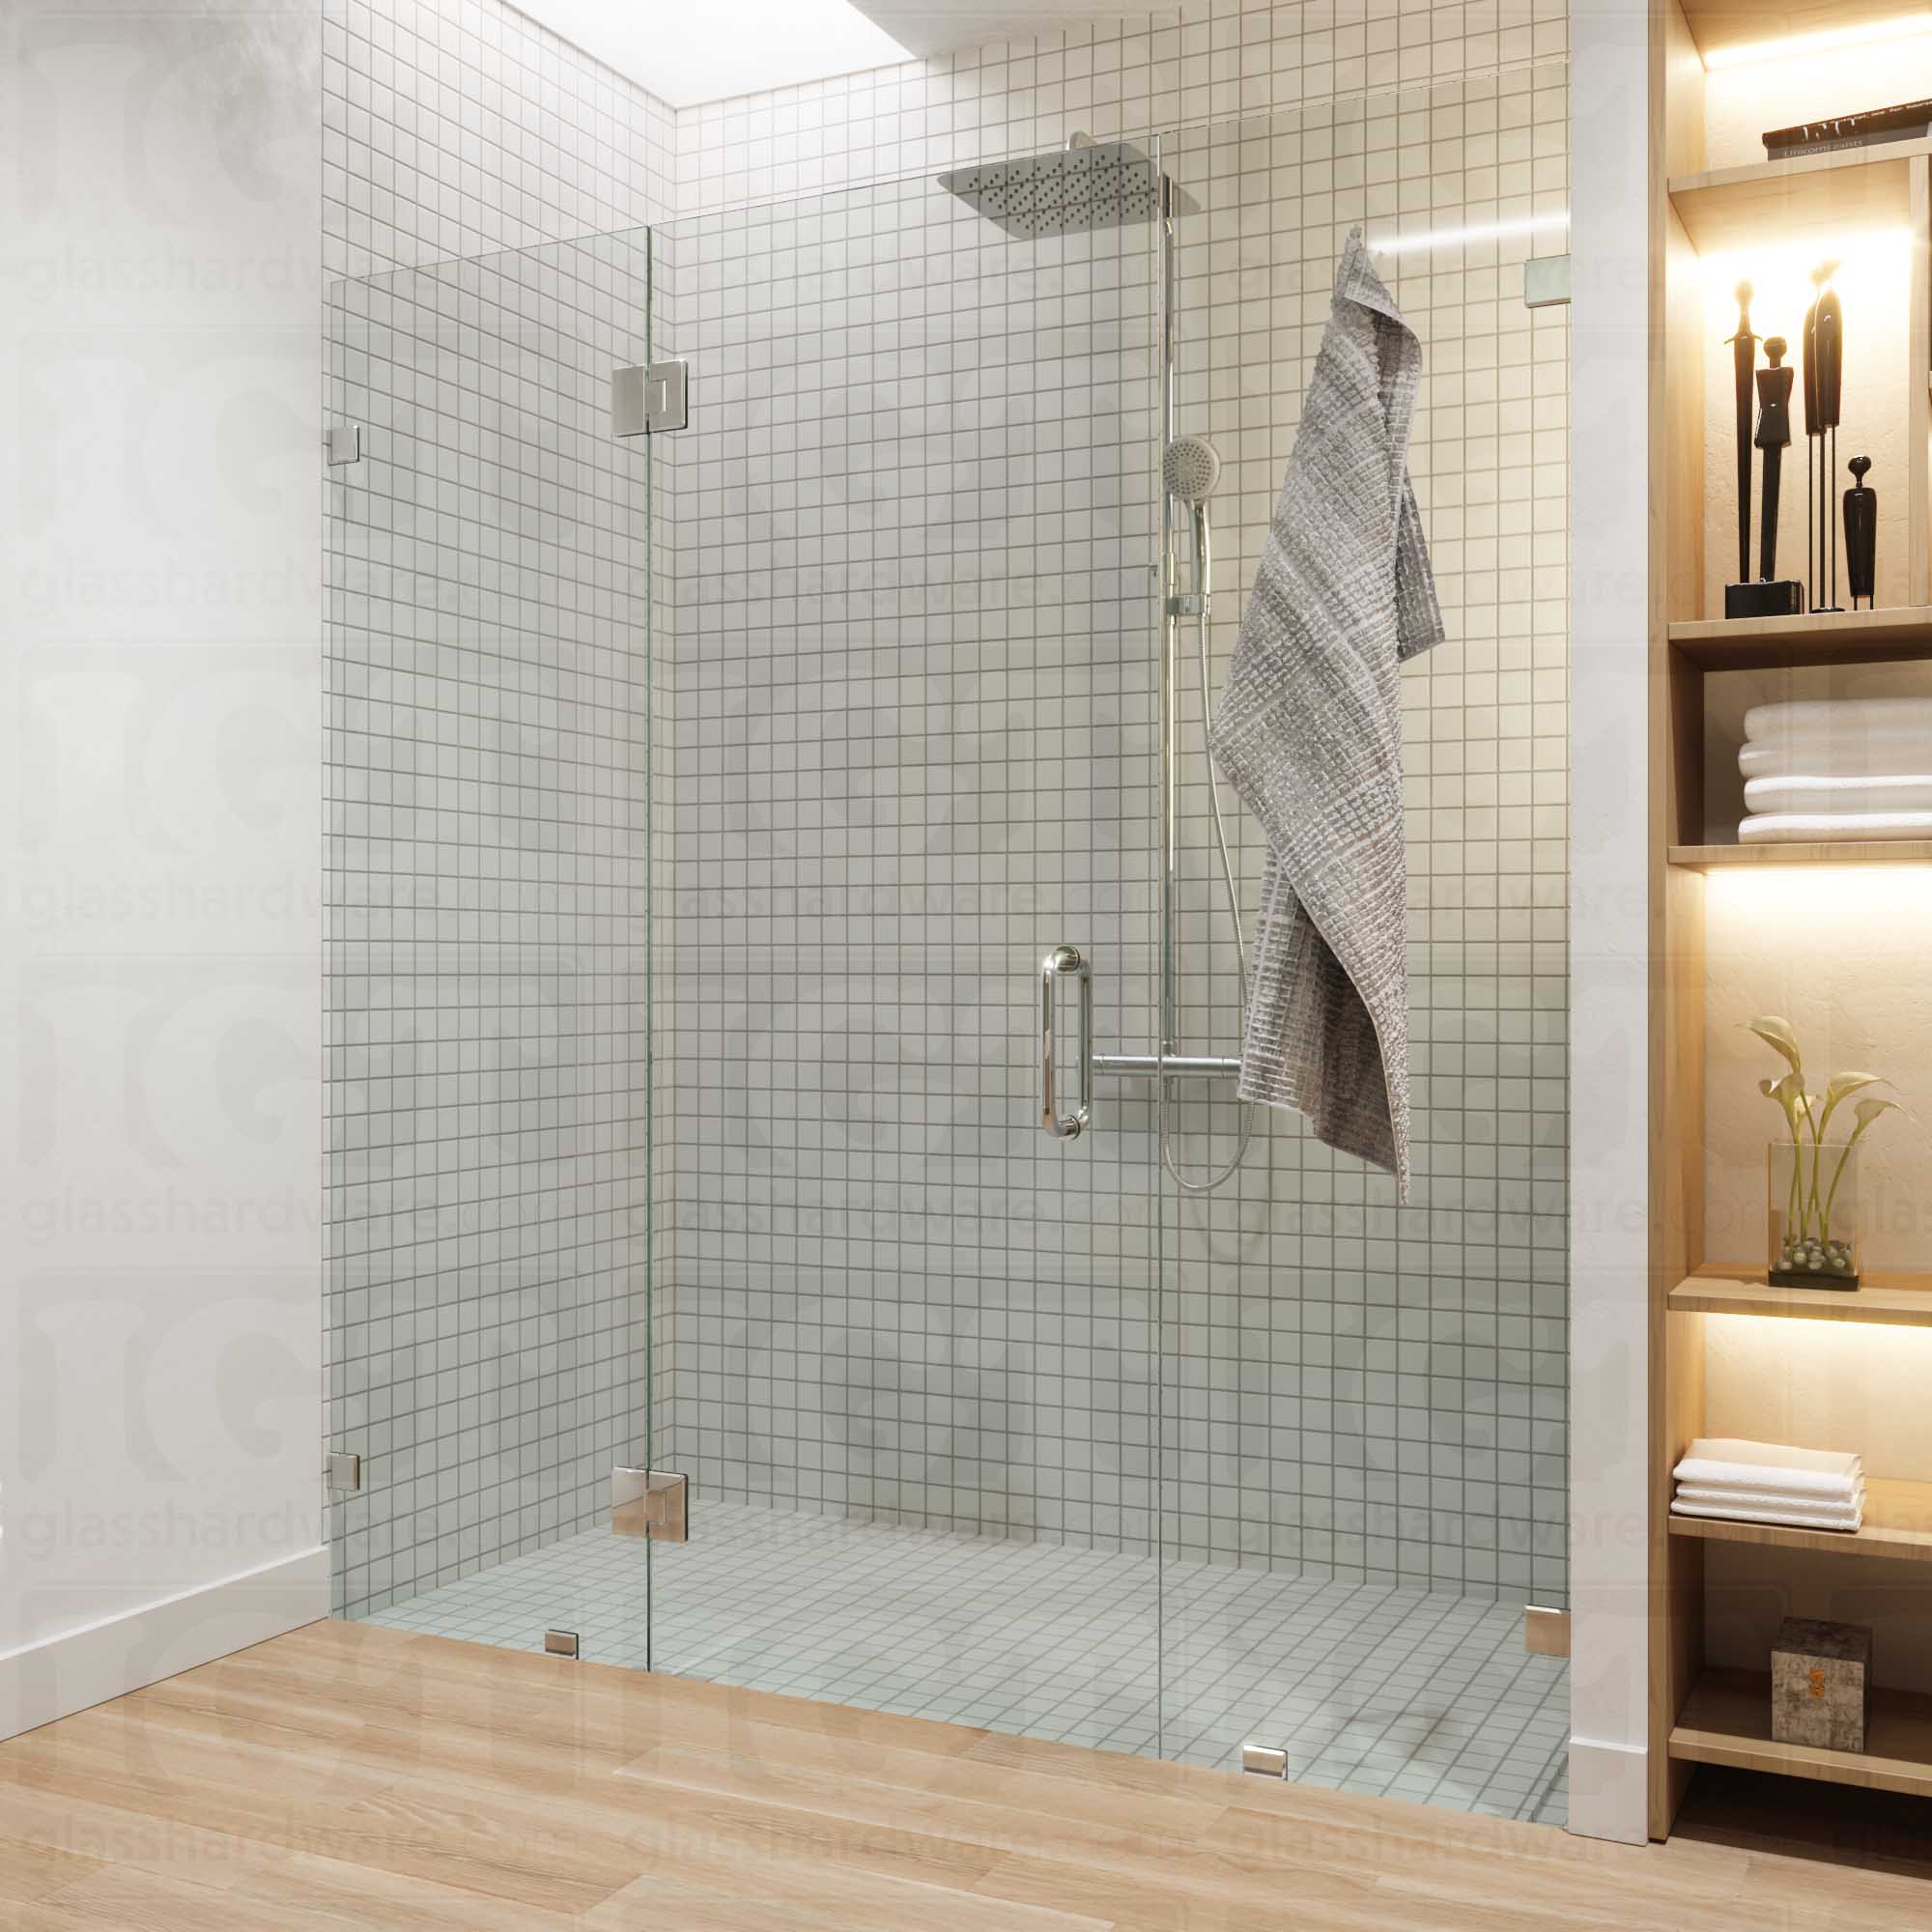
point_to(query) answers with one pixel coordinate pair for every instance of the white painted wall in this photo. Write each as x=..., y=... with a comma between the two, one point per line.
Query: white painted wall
x=161, y=932
x=1609, y=929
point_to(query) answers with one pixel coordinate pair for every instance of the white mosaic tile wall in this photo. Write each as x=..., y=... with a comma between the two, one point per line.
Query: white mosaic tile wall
x=489, y=891
x=1372, y=1391
x=487, y=910
x=1213, y=61
x=1354, y=1384
x=887, y=1283
x=455, y=127
x=914, y=641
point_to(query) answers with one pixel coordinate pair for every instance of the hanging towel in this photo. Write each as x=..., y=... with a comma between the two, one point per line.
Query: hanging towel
x=1309, y=730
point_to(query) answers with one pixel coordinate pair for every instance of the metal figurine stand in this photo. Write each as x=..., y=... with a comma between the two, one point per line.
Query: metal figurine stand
x=1816, y=485
x=1860, y=534
x=1824, y=373
x=1743, y=365
x=1769, y=596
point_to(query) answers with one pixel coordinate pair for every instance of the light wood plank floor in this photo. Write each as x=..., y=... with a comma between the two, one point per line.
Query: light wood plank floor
x=349, y=1776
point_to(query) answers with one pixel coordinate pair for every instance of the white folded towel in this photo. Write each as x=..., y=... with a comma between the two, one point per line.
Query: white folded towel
x=1793, y=718
x=1776, y=828
x=1850, y=1522
x=1875, y=753
x=1898, y=792
x=1716, y=1496
x=1731, y=1462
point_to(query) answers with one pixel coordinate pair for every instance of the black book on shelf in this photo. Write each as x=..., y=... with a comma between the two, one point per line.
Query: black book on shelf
x=1913, y=121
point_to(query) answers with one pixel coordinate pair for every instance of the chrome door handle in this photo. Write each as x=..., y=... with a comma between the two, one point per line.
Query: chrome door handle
x=1065, y=959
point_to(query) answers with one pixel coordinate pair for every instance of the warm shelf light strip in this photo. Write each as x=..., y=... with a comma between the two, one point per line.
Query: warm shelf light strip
x=1795, y=46
x=1459, y=237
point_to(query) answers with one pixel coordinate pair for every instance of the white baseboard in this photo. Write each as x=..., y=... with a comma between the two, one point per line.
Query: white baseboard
x=60, y=1675
x=1609, y=1791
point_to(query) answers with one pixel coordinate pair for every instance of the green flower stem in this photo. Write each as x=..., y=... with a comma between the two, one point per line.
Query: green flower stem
x=1831, y=1193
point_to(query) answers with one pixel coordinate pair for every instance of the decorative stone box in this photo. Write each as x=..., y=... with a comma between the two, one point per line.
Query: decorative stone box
x=1821, y=1684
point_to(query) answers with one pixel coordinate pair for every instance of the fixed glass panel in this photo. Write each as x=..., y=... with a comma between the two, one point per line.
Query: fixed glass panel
x=906, y=1338
x=1366, y=1479
x=486, y=926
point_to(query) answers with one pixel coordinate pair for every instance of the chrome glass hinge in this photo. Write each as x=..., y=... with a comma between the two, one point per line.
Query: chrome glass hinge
x=1264, y=1760
x=342, y=442
x=341, y=1471
x=650, y=1502
x=561, y=1643
x=649, y=402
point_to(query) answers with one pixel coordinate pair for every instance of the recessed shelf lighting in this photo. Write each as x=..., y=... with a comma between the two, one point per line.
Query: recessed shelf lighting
x=1900, y=27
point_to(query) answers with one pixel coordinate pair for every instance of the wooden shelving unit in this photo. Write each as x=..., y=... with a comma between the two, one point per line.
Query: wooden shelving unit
x=1699, y=1715
x=1898, y=1300
x=1811, y=194
x=1782, y=644
x=1897, y=1524
x=1726, y=1719
x=1848, y=852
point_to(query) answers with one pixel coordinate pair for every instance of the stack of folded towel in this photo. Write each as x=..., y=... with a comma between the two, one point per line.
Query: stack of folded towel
x=1837, y=768
x=1762, y=1482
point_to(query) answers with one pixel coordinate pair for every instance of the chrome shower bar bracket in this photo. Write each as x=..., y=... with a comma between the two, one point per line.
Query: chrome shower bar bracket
x=1063, y=960
x=1168, y=1065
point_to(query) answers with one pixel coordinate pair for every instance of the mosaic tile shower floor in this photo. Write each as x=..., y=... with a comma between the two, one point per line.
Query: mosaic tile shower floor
x=1373, y=1690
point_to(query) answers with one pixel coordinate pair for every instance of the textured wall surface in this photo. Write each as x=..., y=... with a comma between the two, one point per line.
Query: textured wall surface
x=488, y=1028
x=915, y=733
x=903, y=738
x=159, y=944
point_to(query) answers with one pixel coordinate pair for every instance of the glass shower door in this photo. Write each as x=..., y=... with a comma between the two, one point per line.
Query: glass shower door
x=905, y=1340
x=489, y=754
x=1365, y=1480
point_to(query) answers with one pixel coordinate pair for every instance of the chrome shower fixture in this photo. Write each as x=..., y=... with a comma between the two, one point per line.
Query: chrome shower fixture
x=1191, y=470
x=1191, y=473
x=1069, y=191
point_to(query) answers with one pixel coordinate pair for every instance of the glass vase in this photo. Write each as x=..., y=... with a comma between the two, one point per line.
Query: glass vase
x=1812, y=1217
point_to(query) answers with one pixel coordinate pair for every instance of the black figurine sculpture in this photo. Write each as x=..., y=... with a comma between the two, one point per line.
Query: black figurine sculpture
x=1769, y=596
x=1774, y=438
x=1860, y=534
x=1743, y=365
x=1827, y=322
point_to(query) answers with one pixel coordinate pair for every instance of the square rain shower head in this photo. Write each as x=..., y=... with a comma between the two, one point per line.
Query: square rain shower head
x=1102, y=185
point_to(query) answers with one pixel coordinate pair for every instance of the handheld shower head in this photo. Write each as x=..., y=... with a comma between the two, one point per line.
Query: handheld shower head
x=1191, y=470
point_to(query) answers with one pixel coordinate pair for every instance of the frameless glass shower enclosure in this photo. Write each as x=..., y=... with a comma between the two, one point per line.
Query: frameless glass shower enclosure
x=703, y=808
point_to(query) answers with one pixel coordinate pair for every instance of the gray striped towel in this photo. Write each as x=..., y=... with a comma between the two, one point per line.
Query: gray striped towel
x=1309, y=730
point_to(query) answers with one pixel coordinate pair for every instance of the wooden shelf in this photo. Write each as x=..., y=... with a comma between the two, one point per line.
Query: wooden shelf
x=1843, y=852
x=1898, y=1524
x=1726, y=1719
x=1856, y=190
x=1719, y=25
x=1761, y=643
x=1897, y=1300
